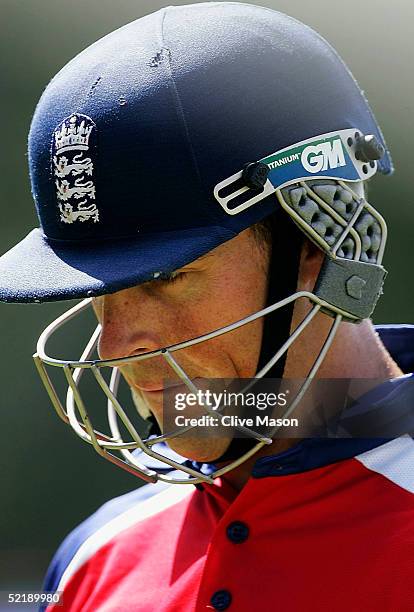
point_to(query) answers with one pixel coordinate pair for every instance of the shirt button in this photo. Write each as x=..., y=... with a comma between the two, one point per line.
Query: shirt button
x=237, y=532
x=221, y=600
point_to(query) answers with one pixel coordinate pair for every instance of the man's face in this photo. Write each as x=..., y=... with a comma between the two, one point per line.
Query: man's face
x=215, y=290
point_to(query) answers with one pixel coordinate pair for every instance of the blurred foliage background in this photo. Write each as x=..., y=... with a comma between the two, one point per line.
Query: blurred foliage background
x=50, y=480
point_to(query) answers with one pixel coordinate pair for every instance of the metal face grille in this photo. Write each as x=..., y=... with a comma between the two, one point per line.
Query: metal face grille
x=341, y=222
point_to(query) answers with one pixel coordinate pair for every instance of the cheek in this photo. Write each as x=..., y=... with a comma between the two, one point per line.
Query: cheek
x=243, y=348
x=234, y=353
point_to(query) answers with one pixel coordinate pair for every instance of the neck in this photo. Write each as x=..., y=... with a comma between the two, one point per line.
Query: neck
x=356, y=352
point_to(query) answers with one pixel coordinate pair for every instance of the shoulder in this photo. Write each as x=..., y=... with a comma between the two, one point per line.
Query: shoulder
x=106, y=522
x=393, y=463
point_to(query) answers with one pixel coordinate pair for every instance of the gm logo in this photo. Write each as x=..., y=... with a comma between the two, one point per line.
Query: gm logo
x=327, y=154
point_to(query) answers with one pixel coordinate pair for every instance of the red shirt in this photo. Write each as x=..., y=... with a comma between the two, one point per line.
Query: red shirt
x=327, y=525
x=338, y=537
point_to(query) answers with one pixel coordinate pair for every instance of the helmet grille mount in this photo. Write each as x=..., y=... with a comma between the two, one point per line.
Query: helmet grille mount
x=334, y=155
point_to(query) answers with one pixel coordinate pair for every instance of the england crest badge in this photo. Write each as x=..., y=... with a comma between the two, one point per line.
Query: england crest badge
x=73, y=169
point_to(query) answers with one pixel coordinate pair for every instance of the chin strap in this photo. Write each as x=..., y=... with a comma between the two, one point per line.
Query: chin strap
x=287, y=242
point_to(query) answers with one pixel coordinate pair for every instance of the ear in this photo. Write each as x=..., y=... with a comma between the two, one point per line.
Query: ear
x=311, y=260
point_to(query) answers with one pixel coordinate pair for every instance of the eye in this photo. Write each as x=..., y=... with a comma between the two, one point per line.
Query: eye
x=171, y=277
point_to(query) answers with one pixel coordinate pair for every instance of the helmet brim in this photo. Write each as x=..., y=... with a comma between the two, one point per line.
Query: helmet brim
x=40, y=270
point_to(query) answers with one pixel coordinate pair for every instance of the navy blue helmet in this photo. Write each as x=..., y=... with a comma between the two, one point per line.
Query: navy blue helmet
x=130, y=139
x=169, y=137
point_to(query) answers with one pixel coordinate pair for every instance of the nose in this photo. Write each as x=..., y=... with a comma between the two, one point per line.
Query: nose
x=128, y=320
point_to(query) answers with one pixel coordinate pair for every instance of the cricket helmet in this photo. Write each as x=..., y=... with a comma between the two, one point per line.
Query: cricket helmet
x=167, y=138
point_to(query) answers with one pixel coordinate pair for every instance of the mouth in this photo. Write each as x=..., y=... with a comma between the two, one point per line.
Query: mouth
x=158, y=389
x=169, y=387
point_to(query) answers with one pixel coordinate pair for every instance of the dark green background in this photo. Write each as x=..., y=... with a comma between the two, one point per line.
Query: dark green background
x=49, y=479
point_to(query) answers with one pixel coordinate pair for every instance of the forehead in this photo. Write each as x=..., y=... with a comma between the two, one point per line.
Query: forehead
x=237, y=254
